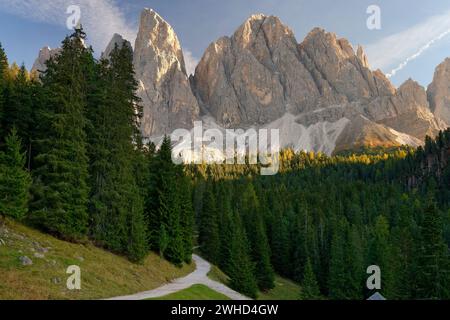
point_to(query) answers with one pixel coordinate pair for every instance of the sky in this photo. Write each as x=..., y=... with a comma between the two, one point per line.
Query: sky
x=412, y=39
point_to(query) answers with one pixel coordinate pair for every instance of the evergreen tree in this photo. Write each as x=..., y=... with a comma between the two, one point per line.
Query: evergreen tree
x=14, y=179
x=3, y=82
x=433, y=263
x=310, y=288
x=260, y=250
x=163, y=206
x=208, y=227
x=60, y=192
x=240, y=268
x=380, y=253
x=116, y=205
x=187, y=218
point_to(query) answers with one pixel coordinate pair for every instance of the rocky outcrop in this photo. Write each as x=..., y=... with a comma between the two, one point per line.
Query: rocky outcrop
x=439, y=92
x=255, y=76
x=163, y=84
x=261, y=73
x=118, y=40
x=40, y=65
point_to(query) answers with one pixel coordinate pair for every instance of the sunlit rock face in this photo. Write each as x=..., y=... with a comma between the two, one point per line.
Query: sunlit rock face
x=439, y=92
x=163, y=84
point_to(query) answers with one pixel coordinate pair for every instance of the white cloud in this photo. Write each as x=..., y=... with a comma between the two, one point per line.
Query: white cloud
x=396, y=51
x=100, y=18
x=190, y=61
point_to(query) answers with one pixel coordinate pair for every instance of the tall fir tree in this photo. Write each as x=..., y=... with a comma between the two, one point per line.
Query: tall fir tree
x=187, y=216
x=163, y=211
x=240, y=268
x=15, y=180
x=60, y=192
x=3, y=83
x=116, y=205
x=255, y=229
x=433, y=260
x=310, y=288
x=209, y=239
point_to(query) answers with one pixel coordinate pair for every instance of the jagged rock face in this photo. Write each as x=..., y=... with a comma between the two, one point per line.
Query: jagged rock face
x=439, y=92
x=261, y=73
x=118, y=40
x=340, y=74
x=40, y=65
x=409, y=112
x=163, y=84
x=255, y=76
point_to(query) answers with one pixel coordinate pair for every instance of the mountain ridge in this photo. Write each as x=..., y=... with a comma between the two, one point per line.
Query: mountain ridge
x=261, y=73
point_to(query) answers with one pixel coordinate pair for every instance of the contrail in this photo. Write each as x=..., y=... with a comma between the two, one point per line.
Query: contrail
x=417, y=54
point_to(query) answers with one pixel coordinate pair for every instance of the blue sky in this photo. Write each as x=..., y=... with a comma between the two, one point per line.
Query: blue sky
x=408, y=27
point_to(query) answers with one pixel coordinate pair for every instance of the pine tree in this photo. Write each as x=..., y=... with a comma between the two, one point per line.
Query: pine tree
x=187, y=217
x=380, y=253
x=254, y=226
x=60, y=192
x=117, y=203
x=3, y=82
x=208, y=227
x=19, y=111
x=310, y=288
x=337, y=279
x=240, y=268
x=15, y=181
x=433, y=260
x=163, y=209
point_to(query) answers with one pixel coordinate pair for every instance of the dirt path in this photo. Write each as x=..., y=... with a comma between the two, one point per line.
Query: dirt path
x=199, y=276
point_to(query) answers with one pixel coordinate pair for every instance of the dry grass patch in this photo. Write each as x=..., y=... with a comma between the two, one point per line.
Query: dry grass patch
x=103, y=274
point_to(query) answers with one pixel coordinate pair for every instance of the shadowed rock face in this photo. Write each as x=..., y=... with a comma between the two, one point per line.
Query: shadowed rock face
x=163, y=84
x=116, y=40
x=439, y=92
x=40, y=65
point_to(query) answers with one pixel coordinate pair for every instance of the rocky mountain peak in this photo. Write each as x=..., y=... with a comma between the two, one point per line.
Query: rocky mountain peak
x=40, y=64
x=163, y=84
x=118, y=40
x=439, y=92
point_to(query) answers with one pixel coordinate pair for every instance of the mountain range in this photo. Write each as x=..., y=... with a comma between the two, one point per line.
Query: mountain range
x=320, y=93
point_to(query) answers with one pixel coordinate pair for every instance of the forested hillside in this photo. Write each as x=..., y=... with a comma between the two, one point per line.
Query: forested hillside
x=323, y=220
x=72, y=160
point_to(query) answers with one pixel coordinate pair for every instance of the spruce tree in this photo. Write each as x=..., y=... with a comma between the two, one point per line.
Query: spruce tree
x=240, y=268
x=187, y=218
x=15, y=180
x=117, y=203
x=3, y=82
x=433, y=261
x=310, y=288
x=254, y=226
x=19, y=109
x=60, y=192
x=163, y=209
x=209, y=239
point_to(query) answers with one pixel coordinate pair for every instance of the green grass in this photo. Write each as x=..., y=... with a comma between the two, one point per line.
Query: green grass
x=284, y=290
x=217, y=275
x=103, y=274
x=196, y=292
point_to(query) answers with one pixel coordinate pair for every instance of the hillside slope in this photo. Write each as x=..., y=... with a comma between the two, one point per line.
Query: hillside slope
x=103, y=274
